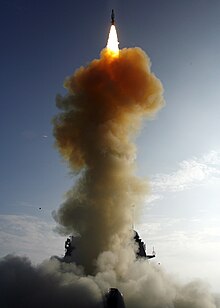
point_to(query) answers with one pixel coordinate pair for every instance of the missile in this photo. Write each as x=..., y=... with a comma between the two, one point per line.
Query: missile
x=113, y=17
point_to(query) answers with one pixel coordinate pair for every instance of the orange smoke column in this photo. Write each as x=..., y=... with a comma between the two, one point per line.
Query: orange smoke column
x=101, y=113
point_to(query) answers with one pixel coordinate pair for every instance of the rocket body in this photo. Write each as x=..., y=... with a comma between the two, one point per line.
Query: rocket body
x=113, y=17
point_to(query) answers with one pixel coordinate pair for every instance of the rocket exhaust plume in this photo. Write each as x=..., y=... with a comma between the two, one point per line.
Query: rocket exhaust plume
x=101, y=114
x=112, y=45
x=95, y=130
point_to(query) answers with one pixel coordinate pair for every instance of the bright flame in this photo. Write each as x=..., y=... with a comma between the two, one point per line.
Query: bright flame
x=112, y=44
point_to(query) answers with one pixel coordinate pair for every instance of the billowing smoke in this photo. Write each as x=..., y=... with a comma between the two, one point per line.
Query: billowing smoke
x=100, y=116
x=52, y=284
x=101, y=113
x=55, y=284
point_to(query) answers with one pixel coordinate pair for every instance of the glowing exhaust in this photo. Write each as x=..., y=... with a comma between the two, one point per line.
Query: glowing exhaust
x=112, y=44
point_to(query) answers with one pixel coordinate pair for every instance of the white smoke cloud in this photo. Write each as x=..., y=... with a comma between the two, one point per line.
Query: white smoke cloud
x=186, y=247
x=55, y=284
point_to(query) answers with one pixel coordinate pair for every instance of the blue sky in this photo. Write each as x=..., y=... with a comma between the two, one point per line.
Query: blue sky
x=42, y=42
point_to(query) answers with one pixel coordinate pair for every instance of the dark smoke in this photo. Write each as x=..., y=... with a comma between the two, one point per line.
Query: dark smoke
x=46, y=286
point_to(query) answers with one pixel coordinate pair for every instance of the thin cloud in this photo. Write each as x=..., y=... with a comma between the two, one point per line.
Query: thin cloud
x=191, y=173
x=29, y=236
x=153, y=197
x=181, y=231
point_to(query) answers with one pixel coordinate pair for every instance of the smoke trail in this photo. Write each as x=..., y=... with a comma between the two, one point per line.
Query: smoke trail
x=101, y=113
